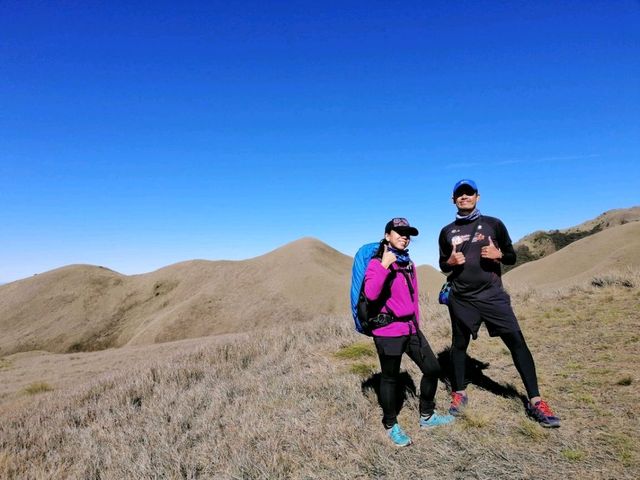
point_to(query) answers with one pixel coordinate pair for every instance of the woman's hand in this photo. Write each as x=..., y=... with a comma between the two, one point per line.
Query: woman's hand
x=388, y=257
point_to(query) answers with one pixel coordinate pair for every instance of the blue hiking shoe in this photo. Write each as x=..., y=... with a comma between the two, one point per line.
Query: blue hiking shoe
x=436, y=420
x=398, y=437
x=542, y=413
x=458, y=403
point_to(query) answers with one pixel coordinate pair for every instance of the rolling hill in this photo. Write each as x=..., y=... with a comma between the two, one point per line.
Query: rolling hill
x=257, y=403
x=87, y=308
x=82, y=307
x=539, y=244
x=612, y=250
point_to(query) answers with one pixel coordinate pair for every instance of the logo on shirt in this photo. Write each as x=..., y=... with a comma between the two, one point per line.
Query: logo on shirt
x=458, y=239
x=478, y=237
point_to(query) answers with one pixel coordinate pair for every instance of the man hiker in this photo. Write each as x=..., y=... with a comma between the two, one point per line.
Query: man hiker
x=471, y=250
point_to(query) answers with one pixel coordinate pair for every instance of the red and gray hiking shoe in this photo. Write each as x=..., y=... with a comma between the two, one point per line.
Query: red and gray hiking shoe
x=542, y=413
x=458, y=403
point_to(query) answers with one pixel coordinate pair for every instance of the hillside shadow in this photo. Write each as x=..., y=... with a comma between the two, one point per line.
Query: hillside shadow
x=473, y=375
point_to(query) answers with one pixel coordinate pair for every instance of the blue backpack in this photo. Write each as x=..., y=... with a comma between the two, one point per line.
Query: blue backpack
x=366, y=313
x=362, y=258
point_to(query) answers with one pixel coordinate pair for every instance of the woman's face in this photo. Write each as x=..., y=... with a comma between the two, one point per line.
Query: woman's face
x=397, y=241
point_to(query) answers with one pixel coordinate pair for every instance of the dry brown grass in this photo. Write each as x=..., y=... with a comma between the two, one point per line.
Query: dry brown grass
x=282, y=405
x=38, y=387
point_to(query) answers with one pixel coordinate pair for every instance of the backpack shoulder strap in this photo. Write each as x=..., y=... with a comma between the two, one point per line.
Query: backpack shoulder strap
x=408, y=278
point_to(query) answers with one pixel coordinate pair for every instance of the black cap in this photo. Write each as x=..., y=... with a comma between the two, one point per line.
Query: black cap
x=400, y=225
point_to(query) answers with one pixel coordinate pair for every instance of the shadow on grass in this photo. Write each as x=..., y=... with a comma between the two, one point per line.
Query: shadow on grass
x=473, y=375
x=406, y=387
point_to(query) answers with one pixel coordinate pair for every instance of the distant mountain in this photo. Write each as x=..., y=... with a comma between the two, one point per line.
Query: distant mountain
x=83, y=307
x=615, y=249
x=86, y=308
x=430, y=280
x=539, y=244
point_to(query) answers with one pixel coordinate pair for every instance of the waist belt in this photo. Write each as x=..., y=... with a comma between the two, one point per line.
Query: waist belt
x=384, y=319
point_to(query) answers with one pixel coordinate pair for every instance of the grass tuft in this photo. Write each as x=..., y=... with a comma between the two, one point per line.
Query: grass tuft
x=573, y=454
x=475, y=420
x=584, y=398
x=362, y=369
x=38, y=387
x=532, y=430
x=356, y=351
x=5, y=364
x=612, y=281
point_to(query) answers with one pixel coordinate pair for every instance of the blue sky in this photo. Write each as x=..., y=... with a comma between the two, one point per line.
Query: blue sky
x=134, y=135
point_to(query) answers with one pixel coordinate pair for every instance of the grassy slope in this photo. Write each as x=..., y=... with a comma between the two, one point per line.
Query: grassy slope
x=540, y=244
x=82, y=308
x=284, y=405
x=615, y=251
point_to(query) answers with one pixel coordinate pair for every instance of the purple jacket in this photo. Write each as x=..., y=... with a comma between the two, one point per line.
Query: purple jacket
x=399, y=302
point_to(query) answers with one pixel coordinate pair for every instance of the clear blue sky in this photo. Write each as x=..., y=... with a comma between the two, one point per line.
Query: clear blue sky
x=134, y=135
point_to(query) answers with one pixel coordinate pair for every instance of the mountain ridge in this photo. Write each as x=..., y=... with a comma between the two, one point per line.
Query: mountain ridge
x=83, y=307
x=541, y=243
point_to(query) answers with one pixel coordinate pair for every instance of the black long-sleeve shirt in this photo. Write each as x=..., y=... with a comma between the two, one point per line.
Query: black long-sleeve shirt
x=478, y=276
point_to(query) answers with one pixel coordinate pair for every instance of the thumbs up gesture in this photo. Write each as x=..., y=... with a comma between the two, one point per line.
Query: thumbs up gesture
x=491, y=252
x=456, y=258
x=388, y=257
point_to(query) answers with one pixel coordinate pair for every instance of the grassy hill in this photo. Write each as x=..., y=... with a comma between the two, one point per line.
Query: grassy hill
x=283, y=395
x=609, y=252
x=88, y=308
x=539, y=244
x=298, y=401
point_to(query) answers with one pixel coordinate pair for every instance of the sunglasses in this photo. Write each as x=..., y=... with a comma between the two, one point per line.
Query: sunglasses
x=464, y=191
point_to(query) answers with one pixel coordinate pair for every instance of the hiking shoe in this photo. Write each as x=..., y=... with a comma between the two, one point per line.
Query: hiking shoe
x=542, y=413
x=458, y=403
x=398, y=437
x=435, y=420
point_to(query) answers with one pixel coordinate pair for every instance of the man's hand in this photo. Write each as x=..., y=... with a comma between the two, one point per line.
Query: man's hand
x=388, y=257
x=491, y=252
x=456, y=258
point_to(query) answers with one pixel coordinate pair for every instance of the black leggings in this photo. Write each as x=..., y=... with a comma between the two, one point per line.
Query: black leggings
x=522, y=358
x=390, y=351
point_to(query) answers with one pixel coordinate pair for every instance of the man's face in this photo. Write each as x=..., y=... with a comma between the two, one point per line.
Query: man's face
x=466, y=198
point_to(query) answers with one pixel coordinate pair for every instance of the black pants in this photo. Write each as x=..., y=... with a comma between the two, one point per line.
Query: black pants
x=390, y=350
x=520, y=353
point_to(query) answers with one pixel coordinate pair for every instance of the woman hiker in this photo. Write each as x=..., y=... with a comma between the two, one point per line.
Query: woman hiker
x=391, y=281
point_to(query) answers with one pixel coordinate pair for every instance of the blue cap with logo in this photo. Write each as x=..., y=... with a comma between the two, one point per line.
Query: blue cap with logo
x=463, y=182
